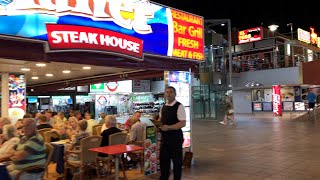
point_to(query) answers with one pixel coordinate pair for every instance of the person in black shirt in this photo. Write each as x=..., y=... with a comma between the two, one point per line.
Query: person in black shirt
x=111, y=123
x=43, y=122
x=173, y=118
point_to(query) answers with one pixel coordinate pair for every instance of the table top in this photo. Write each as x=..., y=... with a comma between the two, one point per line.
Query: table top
x=117, y=149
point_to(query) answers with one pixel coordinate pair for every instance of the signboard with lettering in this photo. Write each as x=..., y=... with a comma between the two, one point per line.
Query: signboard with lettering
x=276, y=100
x=250, y=35
x=123, y=27
x=303, y=36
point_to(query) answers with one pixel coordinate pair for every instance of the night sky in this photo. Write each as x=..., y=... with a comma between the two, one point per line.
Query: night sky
x=247, y=14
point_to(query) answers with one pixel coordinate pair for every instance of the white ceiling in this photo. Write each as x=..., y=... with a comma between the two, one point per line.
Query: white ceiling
x=55, y=68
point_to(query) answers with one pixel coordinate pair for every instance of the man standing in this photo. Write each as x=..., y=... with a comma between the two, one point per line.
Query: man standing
x=173, y=118
x=311, y=99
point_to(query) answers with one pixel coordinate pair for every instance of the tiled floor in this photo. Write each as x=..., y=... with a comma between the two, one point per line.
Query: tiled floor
x=259, y=147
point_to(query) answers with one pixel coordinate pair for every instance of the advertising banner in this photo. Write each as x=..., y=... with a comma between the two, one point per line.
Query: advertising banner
x=123, y=27
x=250, y=35
x=17, y=97
x=276, y=100
x=151, y=153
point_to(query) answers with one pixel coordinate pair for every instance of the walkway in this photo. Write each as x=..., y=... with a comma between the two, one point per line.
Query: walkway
x=259, y=147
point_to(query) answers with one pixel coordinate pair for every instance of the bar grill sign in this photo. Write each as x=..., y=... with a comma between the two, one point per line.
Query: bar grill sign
x=276, y=100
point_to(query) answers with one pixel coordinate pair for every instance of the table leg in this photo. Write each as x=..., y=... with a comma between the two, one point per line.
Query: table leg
x=117, y=167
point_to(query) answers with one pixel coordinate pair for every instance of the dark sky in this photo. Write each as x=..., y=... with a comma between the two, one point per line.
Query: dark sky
x=247, y=14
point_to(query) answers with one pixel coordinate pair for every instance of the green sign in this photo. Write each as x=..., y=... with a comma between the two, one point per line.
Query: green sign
x=97, y=87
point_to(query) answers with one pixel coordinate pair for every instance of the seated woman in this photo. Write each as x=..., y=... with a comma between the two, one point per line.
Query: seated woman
x=75, y=144
x=61, y=130
x=8, y=140
x=72, y=127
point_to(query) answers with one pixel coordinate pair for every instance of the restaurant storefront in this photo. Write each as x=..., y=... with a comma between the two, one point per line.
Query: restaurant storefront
x=144, y=37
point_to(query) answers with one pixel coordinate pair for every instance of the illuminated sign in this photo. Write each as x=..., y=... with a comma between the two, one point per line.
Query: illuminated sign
x=188, y=36
x=276, y=100
x=17, y=97
x=250, y=35
x=164, y=31
x=303, y=36
x=70, y=38
x=314, y=36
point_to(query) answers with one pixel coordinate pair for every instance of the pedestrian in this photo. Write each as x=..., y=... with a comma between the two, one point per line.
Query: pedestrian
x=173, y=118
x=311, y=99
x=229, y=114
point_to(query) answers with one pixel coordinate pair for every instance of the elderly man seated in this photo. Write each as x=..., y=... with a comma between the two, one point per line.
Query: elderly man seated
x=30, y=151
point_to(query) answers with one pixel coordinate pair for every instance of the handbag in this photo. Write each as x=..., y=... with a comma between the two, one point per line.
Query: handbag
x=230, y=111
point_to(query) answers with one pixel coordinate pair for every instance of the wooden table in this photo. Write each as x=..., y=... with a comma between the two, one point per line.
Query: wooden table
x=115, y=150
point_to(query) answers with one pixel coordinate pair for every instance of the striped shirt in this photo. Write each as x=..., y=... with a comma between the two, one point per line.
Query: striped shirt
x=34, y=146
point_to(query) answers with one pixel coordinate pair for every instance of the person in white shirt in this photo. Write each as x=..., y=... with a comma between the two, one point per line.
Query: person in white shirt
x=91, y=122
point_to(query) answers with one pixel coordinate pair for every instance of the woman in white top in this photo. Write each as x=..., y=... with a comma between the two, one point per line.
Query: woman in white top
x=8, y=140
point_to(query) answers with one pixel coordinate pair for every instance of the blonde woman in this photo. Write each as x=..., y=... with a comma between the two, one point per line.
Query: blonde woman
x=72, y=128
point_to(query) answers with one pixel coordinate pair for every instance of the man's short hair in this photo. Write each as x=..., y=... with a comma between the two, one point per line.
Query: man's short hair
x=30, y=122
x=42, y=118
x=82, y=125
x=171, y=87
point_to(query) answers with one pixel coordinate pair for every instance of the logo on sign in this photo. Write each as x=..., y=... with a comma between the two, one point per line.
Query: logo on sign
x=112, y=86
x=129, y=14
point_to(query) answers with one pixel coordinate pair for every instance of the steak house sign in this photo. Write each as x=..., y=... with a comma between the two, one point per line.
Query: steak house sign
x=128, y=28
x=127, y=14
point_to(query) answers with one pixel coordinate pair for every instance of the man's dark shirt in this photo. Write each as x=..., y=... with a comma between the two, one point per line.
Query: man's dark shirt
x=105, y=138
x=42, y=126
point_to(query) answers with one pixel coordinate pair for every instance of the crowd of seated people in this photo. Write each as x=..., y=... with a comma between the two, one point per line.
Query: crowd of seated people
x=22, y=145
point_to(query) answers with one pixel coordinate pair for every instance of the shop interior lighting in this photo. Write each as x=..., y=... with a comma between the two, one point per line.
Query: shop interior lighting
x=25, y=69
x=35, y=77
x=49, y=75
x=40, y=64
x=66, y=71
x=253, y=84
x=86, y=67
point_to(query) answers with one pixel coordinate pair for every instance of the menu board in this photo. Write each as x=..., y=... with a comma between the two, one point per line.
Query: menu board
x=267, y=106
x=257, y=106
x=299, y=106
x=287, y=106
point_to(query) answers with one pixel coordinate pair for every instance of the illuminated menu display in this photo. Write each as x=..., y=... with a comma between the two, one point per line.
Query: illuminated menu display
x=188, y=35
x=250, y=35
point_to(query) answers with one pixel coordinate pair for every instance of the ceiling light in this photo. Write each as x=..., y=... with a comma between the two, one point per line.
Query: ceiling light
x=49, y=75
x=66, y=71
x=34, y=77
x=25, y=69
x=86, y=67
x=40, y=64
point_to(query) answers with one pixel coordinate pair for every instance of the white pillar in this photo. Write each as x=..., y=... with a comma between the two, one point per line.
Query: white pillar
x=4, y=94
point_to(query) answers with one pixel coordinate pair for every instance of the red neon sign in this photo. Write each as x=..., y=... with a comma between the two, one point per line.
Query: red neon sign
x=250, y=35
x=71, y=37
x=276, y=100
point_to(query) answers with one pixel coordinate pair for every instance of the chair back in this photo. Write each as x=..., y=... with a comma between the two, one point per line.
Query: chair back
x=96, y=129
x=48, y=135
x=118, y=138
x=87, y=156
x=41, y=131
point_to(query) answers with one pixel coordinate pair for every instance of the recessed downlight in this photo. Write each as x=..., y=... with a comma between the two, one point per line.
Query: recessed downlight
x=40, y=64
x=66, y=71
x=49, y=75
x=25, y=69
x=35, y=77
x=86, y=67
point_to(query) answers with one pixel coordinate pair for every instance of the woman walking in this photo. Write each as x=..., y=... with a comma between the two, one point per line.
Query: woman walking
x=229, y=112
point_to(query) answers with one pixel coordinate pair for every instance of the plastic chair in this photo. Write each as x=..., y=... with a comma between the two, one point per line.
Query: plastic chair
x=87, y=158
x=41, y=131
x=116, y=138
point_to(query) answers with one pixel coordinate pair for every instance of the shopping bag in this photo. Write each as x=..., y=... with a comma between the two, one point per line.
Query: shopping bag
x=187, y=160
